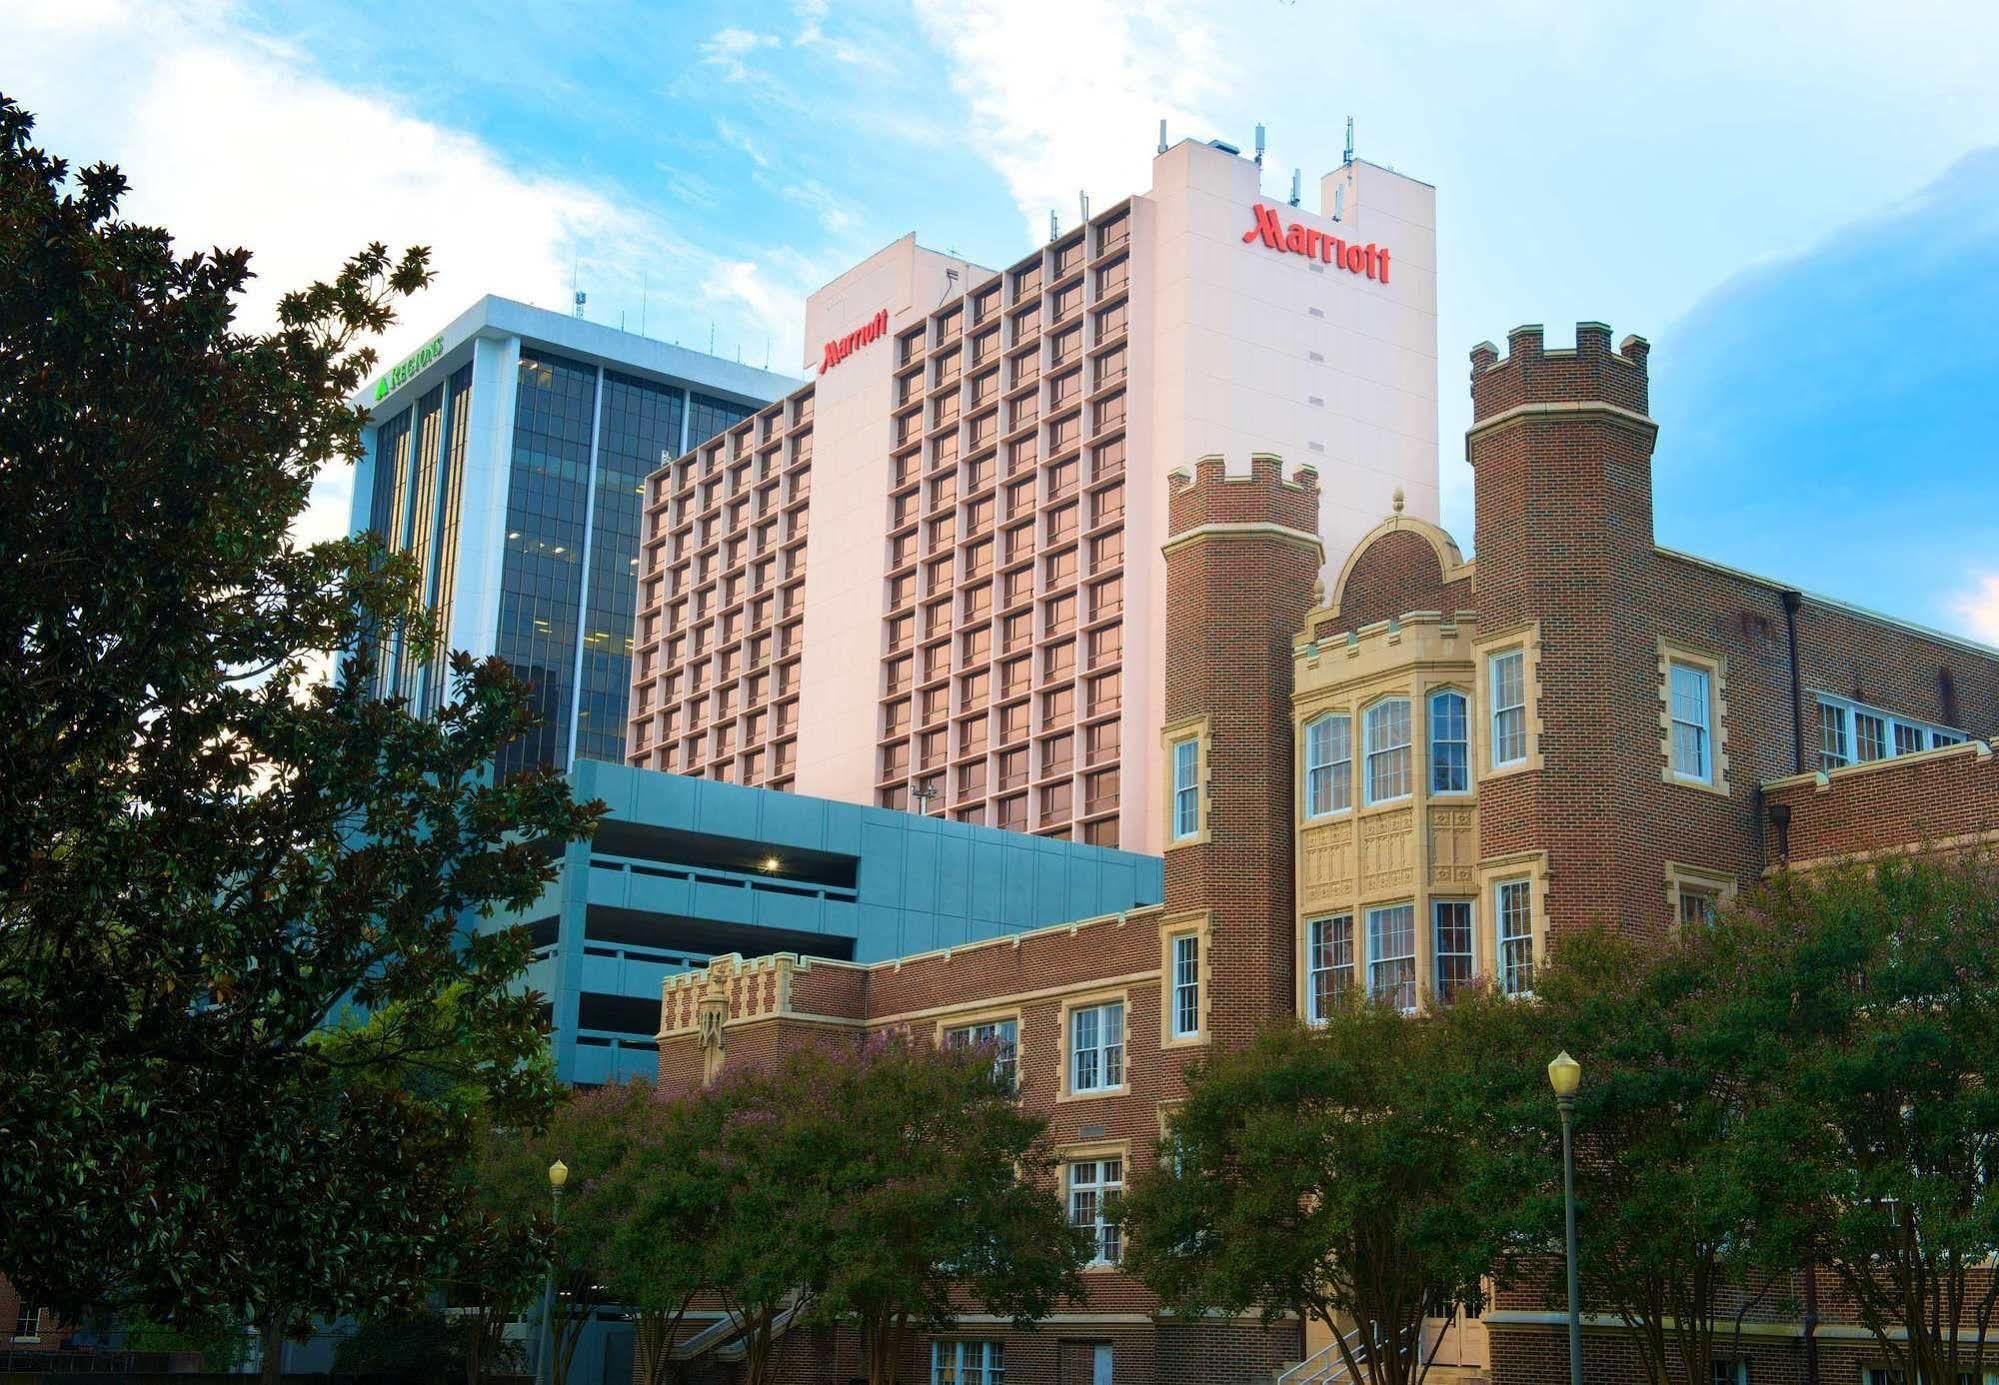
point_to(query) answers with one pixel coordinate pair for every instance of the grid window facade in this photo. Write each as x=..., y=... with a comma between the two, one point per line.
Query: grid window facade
x=967, y=1363
x=1688, y=695
x=1328, y=765
x=1387, y=726
x=1329, y=963
x=1186, y=986
x=1507, y=678
x=1004, y=1038
x=1391, y=955
x=1094, y=1188
x=1513, y=921
x=1450, y=744
x=1096, y=1048
x=1451, y=946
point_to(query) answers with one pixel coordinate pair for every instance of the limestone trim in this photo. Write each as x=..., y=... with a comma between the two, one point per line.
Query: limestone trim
x=1672, y=651
x=1450, y=560
x=1822, y=779
x=1260, y=529
x=1527, y=639
x=1530, y=866
x=1065, y=1040
x=1068, y=1154
x=1198, y=926
x=1174, y=732
x=1700, y=880
x=1560, y=409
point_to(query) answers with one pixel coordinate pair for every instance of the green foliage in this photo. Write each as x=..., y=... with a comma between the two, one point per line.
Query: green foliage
x=1682, y=1140
x=1891, y=978
x=1337, y=1171
x=206, y=848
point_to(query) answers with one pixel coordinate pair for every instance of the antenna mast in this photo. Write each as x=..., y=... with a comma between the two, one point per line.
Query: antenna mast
x=1349, y=154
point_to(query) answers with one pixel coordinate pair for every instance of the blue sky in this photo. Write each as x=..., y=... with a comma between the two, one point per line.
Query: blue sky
x=1798, y=203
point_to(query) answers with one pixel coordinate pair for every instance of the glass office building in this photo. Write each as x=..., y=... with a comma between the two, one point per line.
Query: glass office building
x=507, y=457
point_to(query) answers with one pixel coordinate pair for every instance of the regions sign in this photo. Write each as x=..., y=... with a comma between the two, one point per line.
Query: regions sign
x=408, y=370
x=840, y=348
x=1314, y=244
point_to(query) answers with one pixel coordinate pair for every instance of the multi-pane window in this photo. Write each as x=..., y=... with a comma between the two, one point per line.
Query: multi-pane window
x=1186, y=986
x=1096, y=1047
x=1329, y=963
x=967, y=1363
x=1697, y=907
x=1688, y=694
x=1451, y=942
x=1328, y=765
x=1730, y=1373
x=27, y=1322
x=1387, y=732
x=1450, y=744
x=1391, y=955
x=1094, y=1187
x=1513, y=913
x=1833, y=746
x=1870, y=737
x=1002, y=1035
x=1186, y=788
x=1507, y=681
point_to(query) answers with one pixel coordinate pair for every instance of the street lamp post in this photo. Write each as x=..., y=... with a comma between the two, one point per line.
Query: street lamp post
x=1565, y=1074
x=544, y=1369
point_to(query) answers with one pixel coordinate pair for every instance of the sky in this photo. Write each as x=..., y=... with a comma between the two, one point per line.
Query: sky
x=1795, y=201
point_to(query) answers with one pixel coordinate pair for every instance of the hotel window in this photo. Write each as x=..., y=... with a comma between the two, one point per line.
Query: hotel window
x=1106, y=598
x=1106, y=693
x=1100, y=791
x=1063, y=433
x=1688, y=690
x=1012, y=769
x=1107, y=460
x=1062, y=479
x=1002, y=1035
x=1106, y=645
x=1329, y=964
x=1056, y=804
x=1513, y=914
x=1113, y=233
x=1068, y=300
x=973, y=695
x=1506, y=679
x=1113, y=277
x=934, y=704
x=1107, y=505
x=979, y=560
x=1065, y=388
x=895, y=760
x=1070, y=257
x=1108, y=413
x=1016, y=630
x=1100, y=743
x=1059, y=615
x=1058, y=661
x=1013, y=723
x=1186, y=756
x=1391, y=956
x=1387, y=730
x=1010, y=814
x=1451, y=944
x=967, y=1363
x=1450, y=746
x=1058, y=754
x=1096, y=1047
x=972, y=736
x=1328, y=765
x=1058, y=708
x=1094, y=1187
x=1186, y=986
x=1111, y=321
x=1061, y=568
x=979, y=515
x=1106, y=551
x=1063, y=347
x=1014, y=676
x=975, y=646
x=896, y=716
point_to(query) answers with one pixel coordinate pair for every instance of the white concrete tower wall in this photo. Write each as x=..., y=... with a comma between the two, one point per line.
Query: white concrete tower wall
x=840, y=676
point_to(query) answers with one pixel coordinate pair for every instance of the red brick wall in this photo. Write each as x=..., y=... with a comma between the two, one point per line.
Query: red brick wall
x=1234, y=603
x=1941, y=798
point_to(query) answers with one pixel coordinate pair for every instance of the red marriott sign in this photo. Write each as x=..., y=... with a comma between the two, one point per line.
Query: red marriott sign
x=840, y=348
x=1296, y=239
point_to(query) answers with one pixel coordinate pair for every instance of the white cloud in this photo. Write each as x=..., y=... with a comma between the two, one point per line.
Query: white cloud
x=1056, y=118
x=727, y=49
x=1978, y=607
x=742, y=142
x=231, y=140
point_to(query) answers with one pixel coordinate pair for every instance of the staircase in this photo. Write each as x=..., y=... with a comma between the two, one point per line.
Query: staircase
x=1328, y=1367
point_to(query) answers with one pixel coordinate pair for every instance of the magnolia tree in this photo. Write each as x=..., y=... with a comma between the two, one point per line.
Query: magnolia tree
x=206, y=847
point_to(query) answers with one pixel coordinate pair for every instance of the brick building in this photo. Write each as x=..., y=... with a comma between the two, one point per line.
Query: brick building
x=933, y=577
x=1414, y=777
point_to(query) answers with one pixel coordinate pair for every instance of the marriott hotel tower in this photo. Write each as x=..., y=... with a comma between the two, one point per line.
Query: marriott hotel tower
x=932, y=578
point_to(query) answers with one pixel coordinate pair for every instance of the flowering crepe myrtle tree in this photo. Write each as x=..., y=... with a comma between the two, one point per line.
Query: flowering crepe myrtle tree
x=205, y=848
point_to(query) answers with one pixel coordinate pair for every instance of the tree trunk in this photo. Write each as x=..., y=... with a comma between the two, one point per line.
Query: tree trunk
x=272, y=1368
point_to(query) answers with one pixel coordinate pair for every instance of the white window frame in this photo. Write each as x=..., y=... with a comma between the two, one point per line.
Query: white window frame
x=1104, y=1052
x=950, y=1363
x=1463, y=742
x=1507, y=970
x=1679, y=710
x=1186, y=770
x=1325, y=769
x=1004, y=1033
x=1373, y=720
x=1737, y=1371
x=1710, y=904
x=1322, y=959
x=1840, y=721
x=32, y=1316
x=1399, y=987
x=1508, y=722
x=1437, y=954
x=1185, y=983
x=1105, y=1183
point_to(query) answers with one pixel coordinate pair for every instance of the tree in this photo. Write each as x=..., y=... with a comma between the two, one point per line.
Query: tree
x=1891, y=980
x=204, y=849
x=1683, y=1151
x=1337, y=1171
x=940, y=1194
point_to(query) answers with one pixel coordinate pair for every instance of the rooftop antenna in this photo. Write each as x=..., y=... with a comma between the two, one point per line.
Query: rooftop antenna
x=766, y=350
x=711, y=336
x=644, y=286
x=1259, y=144
x=1297, y=185
x=1339, y=201
x=951, y=277
x=1054, y=228
x=1348, y=158
x=581, y=299
x=1162, y=134
x=1083, y=201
